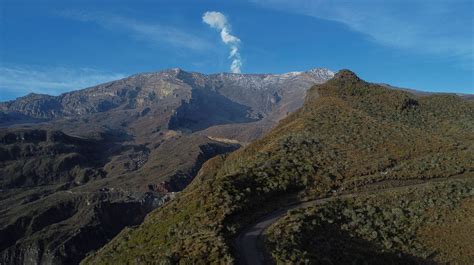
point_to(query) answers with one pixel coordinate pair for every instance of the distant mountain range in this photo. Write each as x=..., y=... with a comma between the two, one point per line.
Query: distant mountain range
x=240, y=97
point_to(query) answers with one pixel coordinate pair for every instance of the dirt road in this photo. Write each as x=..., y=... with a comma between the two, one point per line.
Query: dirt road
x=249, y=242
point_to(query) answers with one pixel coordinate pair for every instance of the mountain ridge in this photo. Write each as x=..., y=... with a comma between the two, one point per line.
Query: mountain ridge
x=163, y=92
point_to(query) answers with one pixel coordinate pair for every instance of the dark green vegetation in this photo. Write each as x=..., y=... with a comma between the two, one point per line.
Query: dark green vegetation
x=384, y=228
x=348, y=134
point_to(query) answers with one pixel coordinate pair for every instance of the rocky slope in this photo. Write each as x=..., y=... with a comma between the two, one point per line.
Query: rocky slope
x=349, y=135
x=77, y=168
x=31, y=158
x=61, y=197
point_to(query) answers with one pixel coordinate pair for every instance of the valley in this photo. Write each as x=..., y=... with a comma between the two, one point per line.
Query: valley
x=81, y=166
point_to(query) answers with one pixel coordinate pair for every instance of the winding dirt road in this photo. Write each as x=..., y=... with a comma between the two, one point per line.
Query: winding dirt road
x=249, y=242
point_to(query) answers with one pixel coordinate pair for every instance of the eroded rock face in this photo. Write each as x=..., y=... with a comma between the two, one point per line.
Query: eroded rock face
x=209, y=108
x=60, y=197
x=41, y=157
x=65, y=231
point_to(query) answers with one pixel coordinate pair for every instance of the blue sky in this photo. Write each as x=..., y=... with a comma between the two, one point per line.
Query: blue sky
x=57, y=46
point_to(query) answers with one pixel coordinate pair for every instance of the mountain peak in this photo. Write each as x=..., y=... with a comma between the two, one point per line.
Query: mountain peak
x=346, y=75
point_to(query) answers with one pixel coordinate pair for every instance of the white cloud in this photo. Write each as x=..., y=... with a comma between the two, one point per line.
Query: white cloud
x=20, y=80
x=153, y=33
x=431, y=27
x=218, y=21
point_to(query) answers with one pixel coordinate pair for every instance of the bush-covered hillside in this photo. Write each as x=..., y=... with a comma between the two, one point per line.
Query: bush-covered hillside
x=348, y=134
x=402, y=227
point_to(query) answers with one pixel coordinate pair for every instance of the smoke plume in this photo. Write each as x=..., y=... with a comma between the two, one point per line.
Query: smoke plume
x=218, y=21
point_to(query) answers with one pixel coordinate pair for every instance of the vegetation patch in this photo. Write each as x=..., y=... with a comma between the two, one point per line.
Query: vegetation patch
x=410, y=227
